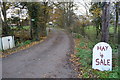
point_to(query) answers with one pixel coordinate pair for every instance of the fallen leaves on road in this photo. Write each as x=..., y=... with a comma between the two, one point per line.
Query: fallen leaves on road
x=14, y=50
x=1, y=54
x=77, y=64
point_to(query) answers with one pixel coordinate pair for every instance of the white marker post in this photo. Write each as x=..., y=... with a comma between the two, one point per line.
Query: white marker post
x=7, y=42
x=102, y=57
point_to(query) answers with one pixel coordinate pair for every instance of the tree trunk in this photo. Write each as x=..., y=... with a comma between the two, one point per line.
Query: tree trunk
x=97, y=30
x=31, y=27
x=117, y=19
x=5, y=27
x=117, y=16
x=34, y=14
x=105, y=22
x=45, y=19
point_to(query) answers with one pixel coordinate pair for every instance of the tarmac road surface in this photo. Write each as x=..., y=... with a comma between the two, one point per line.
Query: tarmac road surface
x=45, y=60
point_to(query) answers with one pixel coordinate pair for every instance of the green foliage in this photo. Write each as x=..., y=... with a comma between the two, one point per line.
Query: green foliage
x=78, y=36
x=82, y=44
x=24, y=27
x=24, y=43
x=114, y=47
x=86, y=75
x=113, y=75
x=91, y=34
x=85, y=55
x=111, y=29
x=91, y=45
x=27, y=42
x=38, y=13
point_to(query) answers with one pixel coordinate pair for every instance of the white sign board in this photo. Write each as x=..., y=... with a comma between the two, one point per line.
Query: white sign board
x=7, y=42
x=102, y=57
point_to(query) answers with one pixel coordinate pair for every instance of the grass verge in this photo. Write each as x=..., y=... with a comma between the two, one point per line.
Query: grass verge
x=82, y=59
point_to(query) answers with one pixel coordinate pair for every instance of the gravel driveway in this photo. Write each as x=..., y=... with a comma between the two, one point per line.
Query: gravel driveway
x=45, y=60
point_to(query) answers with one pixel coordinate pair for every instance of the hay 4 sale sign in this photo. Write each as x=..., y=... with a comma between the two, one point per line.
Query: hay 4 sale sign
x=102, y=57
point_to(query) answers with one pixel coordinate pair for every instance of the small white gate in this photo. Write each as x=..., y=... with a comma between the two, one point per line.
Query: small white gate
x=7, y=42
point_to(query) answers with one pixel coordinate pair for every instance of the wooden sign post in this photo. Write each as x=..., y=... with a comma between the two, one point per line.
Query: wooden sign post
x=102, y=57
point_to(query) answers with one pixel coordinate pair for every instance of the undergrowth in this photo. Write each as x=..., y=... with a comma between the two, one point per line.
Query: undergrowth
x=84, y=53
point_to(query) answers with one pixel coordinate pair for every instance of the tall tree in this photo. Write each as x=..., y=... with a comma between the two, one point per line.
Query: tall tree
x=66, y=9
x=96, y=10
x=44, y=18
x=38, y=13
x=105, y=21
x=5, y=28
x=117, y=10
x=34, y=12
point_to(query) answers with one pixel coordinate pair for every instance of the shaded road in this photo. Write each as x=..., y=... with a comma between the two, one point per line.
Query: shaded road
x=47, y=59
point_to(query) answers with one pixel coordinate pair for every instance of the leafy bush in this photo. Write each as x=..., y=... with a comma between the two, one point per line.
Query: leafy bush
x=78, y=36
x=27, y=42
x=24, y=43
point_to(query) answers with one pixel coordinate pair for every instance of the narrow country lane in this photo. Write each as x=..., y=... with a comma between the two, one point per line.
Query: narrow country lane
x=47, y=59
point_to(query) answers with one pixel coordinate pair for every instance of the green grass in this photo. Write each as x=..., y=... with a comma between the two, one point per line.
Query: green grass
x=24, y=43
x=92, y=29
x=111, y=30
x=24, y=27
x=91, y=34
x=0, y=30
x=77, y=36
x=85, y=56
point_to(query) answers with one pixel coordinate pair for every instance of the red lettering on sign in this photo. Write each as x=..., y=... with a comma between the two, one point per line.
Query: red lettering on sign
x=102, y=48
x=101, y=55
x=97, y=61
x=108, y=61
x=98, y=47
x=101, y=62
x=105, y=62
x=106, y=47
